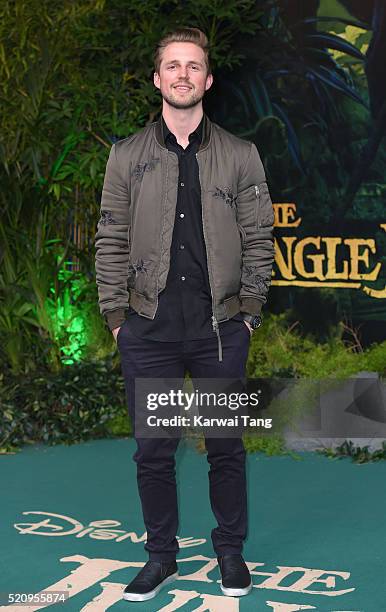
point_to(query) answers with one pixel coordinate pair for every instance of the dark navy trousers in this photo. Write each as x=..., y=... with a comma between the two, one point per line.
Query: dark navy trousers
x=155, y=458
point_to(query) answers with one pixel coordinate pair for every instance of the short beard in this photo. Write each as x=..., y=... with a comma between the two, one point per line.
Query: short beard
x=193, y=101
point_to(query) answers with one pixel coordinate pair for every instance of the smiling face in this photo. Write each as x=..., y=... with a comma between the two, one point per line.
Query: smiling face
x=183, y=77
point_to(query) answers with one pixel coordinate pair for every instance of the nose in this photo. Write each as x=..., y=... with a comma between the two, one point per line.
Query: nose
x=183, y=72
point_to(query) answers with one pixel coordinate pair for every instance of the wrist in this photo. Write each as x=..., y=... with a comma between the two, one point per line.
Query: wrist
x=254, y=321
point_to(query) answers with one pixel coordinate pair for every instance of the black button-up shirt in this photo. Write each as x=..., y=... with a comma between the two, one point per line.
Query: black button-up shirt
x=185, y=305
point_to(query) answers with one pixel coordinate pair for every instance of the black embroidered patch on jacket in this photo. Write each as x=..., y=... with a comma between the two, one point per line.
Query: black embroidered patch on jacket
x=106, y=217
x=262, y=283
x=226, y=195
x=138, y=267
x=147, y=166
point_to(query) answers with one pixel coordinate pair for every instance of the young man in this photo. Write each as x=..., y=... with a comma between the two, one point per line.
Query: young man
x=184, y=254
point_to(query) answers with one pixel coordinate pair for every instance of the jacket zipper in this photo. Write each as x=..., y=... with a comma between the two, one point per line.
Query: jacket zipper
x=215, y=325
x=166, y=191
x=257, y=192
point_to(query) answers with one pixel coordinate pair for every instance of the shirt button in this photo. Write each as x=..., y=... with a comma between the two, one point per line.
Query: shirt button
x=182, y=215
x=182, y=184
x=182, y=277
x=182, y=246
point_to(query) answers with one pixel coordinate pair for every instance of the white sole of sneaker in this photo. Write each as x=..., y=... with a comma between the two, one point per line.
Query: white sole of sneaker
x=150, y=594
x=236, y=592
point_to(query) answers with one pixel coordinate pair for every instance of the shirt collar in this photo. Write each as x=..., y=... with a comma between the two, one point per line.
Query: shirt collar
x=197, y=133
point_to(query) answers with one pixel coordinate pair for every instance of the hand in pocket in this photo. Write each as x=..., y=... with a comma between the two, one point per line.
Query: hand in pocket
x=115, y=332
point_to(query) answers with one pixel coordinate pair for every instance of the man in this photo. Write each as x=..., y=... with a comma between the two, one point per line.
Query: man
x=184, y=254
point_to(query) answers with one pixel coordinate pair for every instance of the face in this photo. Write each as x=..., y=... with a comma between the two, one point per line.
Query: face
x=182, y=77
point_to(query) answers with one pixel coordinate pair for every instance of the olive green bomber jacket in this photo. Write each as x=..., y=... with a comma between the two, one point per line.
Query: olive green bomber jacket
x=138, y=204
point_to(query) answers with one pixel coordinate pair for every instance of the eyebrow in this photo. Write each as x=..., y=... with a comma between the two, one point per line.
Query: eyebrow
x=189, y=62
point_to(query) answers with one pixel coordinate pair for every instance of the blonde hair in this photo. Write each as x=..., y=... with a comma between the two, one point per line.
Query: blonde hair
x=192, y=35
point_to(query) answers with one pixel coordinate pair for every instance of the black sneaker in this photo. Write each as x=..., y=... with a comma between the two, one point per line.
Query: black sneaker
x=150, y=580
x=235, y=576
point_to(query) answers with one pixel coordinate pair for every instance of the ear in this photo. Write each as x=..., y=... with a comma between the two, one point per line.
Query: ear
x=209, y=81
x=156, y=80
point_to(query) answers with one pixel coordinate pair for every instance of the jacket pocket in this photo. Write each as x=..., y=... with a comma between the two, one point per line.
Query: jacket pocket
x=264, y=210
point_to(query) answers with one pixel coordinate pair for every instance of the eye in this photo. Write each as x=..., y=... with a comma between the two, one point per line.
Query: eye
x=172, y=66
x=195, y=67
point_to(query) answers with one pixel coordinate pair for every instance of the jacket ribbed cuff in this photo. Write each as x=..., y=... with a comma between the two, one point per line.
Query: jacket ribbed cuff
x=115, y=318
x=250, y=306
